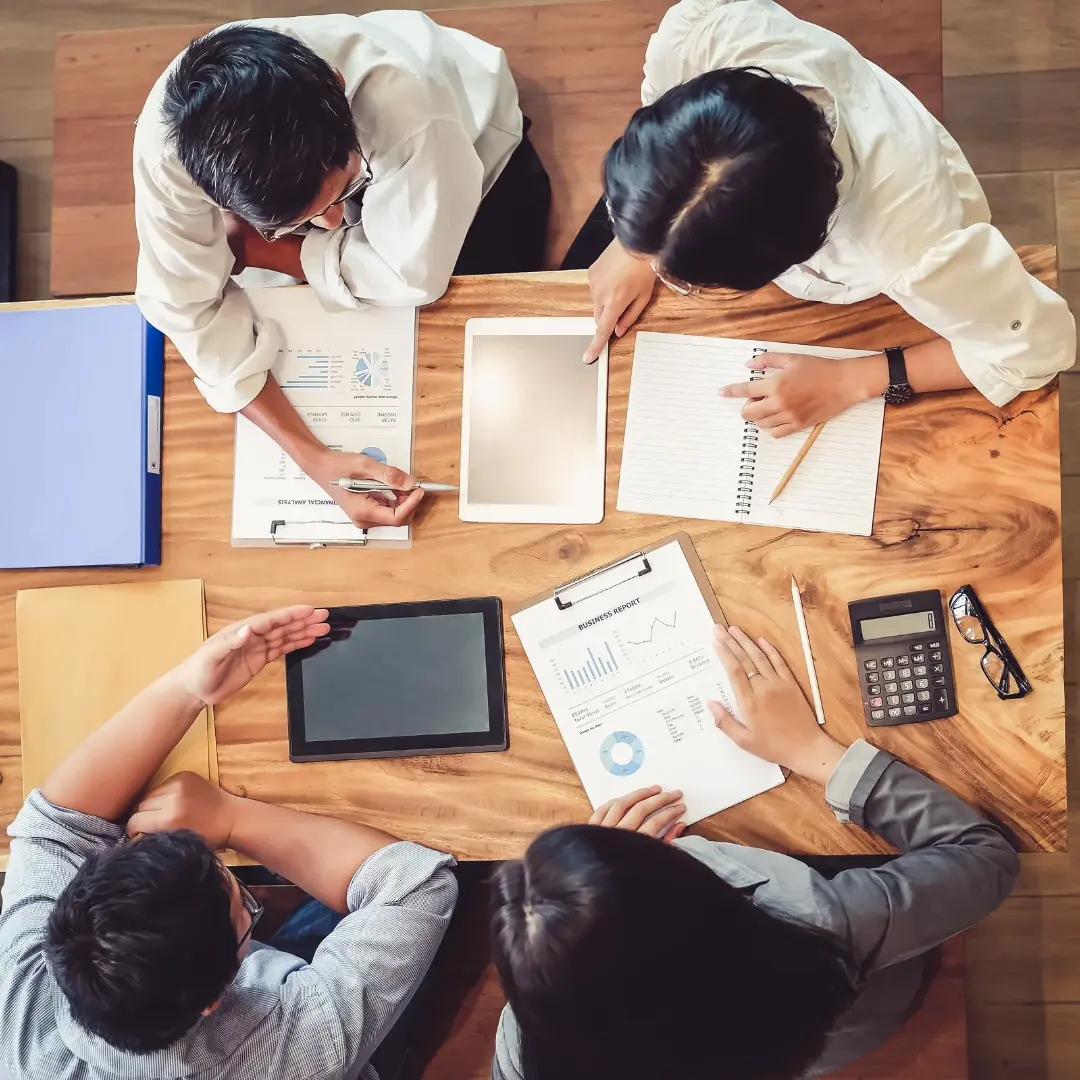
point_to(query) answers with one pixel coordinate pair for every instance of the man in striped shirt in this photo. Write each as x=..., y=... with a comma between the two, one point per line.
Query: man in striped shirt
x=135, y=960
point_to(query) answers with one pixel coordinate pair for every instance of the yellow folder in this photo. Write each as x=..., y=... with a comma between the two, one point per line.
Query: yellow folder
x=85, y=651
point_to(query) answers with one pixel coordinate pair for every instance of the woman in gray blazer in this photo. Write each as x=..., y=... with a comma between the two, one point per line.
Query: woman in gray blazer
x=628, y=958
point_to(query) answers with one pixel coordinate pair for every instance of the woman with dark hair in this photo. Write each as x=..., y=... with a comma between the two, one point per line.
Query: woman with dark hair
x=769, y=150
x=627, y=958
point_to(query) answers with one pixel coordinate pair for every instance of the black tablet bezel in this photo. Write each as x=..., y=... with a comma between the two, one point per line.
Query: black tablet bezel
x=496, y=737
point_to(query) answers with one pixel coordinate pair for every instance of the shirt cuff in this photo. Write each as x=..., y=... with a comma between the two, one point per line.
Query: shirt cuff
x=395, y=872
x=41, y=819
x=854, y=778
x=320, y=256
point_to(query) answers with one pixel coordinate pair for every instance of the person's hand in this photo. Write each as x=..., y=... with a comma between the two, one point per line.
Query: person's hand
x=232, y=657
x=804, y=390
x=186, y=801
x=777, y=723
x=376, y=508
x=621, y=286
x=647, y=810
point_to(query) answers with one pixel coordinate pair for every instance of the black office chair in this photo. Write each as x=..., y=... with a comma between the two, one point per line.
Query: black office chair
x=8, y=210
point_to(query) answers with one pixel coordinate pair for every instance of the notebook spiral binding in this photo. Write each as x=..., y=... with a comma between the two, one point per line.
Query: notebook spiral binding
x=748, y=453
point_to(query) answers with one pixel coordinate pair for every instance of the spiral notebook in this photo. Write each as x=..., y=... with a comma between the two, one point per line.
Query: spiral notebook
x=689, y=453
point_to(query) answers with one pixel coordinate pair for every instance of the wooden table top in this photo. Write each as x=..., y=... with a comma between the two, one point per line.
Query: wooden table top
x=967, y=493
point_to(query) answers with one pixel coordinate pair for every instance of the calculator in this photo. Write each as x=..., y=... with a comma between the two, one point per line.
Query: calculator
x=902, y=649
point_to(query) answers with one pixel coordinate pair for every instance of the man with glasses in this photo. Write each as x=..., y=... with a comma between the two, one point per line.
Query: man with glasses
x=370, y=156
x=122, y=959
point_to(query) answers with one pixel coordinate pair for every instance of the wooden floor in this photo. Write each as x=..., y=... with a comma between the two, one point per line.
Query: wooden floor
x=1012, y=99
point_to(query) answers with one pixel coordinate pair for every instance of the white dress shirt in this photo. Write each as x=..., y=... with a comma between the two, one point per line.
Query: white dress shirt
x=912, y=221
x=437, y=116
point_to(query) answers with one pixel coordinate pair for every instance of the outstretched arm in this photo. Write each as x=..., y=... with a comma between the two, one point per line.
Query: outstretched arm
x=104, y=774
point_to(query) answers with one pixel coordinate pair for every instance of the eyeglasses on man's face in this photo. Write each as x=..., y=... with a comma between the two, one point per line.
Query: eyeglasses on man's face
x=253, y=908
x=351, y=191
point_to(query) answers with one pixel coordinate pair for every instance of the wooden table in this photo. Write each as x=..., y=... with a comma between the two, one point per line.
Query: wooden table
x=577, y=66
x=967, y=493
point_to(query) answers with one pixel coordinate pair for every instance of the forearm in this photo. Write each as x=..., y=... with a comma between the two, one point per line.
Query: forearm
x=272, y=412
x=106, y=772
x=319, y=854
x=281, y=255
x=930, y=367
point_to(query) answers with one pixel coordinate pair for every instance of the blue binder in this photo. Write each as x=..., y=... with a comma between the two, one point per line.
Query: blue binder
x=80, y=436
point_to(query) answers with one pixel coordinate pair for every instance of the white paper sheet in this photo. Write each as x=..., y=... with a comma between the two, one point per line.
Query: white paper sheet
x=350, y=375
x=686, y=447
x=627, y=673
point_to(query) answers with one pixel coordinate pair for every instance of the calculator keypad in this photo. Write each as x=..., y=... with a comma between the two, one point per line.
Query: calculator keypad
x=910, y=684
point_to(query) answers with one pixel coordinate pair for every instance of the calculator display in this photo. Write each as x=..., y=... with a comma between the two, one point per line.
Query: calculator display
x=916, y=622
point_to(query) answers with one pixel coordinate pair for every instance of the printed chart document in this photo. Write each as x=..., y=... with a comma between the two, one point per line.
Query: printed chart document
x=627, y=670
x=689, y=453
x=350, y=376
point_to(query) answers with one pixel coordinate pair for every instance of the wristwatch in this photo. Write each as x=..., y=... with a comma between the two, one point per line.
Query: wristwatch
x=899, y=391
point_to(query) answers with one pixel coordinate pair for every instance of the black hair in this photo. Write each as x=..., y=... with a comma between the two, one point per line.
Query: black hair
x=727, y=180
x=142, y=940
x=625, y=958
x=258, y=120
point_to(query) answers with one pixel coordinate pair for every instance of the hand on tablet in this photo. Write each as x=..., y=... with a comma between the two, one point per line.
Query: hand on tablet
x=647, y=810
x=777, y=723
x=621, y=286
x=231, y=658
x=372, y=509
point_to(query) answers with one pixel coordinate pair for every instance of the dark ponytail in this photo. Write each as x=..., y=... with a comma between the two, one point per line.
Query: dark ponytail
x=628, y=959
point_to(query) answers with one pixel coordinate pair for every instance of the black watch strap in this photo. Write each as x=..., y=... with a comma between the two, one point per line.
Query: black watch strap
x=899, y=390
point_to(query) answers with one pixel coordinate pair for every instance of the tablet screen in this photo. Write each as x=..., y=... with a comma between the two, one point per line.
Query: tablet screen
x=399, y=678
x=392, y=677
x=533, y=422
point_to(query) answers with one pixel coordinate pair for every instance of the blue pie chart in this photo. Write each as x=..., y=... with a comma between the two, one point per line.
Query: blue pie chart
x=374, y=452
x=622, y=767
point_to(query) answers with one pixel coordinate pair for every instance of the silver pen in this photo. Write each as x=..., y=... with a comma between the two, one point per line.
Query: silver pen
x=363, y=487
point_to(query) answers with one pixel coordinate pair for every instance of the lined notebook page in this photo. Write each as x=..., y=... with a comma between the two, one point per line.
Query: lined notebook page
x=686, y=446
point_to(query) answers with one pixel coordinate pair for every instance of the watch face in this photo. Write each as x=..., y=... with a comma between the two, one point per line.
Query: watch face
x=898, y=394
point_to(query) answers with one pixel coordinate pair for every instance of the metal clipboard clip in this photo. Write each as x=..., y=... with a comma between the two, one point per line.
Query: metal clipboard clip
x=563, y=604
x=316, y=534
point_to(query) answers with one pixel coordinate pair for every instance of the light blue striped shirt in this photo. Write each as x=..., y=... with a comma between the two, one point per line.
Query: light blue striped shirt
x=281, y=1018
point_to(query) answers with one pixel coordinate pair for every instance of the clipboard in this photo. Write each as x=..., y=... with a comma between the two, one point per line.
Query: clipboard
x=618, y=572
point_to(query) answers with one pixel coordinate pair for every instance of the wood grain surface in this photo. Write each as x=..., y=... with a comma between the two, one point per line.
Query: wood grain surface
x=578, y=69
x=967, y=493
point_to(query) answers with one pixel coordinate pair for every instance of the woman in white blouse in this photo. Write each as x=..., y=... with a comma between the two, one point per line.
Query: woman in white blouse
x=770, y=150
x=371, y=156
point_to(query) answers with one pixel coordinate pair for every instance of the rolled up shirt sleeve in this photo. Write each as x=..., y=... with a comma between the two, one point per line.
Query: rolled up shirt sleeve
x=184, y=288
x=48, y=845
x=412, y=226
x=400, y=902
x=1009, y=332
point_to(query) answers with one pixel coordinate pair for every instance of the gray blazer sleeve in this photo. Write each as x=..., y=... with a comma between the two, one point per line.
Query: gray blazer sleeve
x=955, y=868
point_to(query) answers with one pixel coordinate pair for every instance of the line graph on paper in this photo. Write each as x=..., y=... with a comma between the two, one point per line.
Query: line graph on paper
x=657, y=622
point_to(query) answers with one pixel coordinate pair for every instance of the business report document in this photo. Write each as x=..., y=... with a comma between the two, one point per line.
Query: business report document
x=350, y=376
x=627, y=673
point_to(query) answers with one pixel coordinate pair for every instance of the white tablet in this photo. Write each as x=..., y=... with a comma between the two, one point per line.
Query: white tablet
x=533, y=422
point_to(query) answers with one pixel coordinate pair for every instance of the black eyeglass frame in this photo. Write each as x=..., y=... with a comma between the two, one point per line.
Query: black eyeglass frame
x=361, y=183
x=253, y=908
x=995, y=644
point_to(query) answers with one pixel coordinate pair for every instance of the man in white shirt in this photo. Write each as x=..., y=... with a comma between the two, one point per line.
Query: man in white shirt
x=371, y=156
x=770, y=150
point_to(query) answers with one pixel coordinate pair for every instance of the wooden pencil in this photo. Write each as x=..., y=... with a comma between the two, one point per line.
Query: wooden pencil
x=810, y=440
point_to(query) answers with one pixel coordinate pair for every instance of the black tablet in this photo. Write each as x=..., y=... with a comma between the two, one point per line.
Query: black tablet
x=397, y=679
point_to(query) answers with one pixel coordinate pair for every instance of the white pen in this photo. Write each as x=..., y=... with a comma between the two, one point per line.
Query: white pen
x=363, y=487
x=800, y=618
